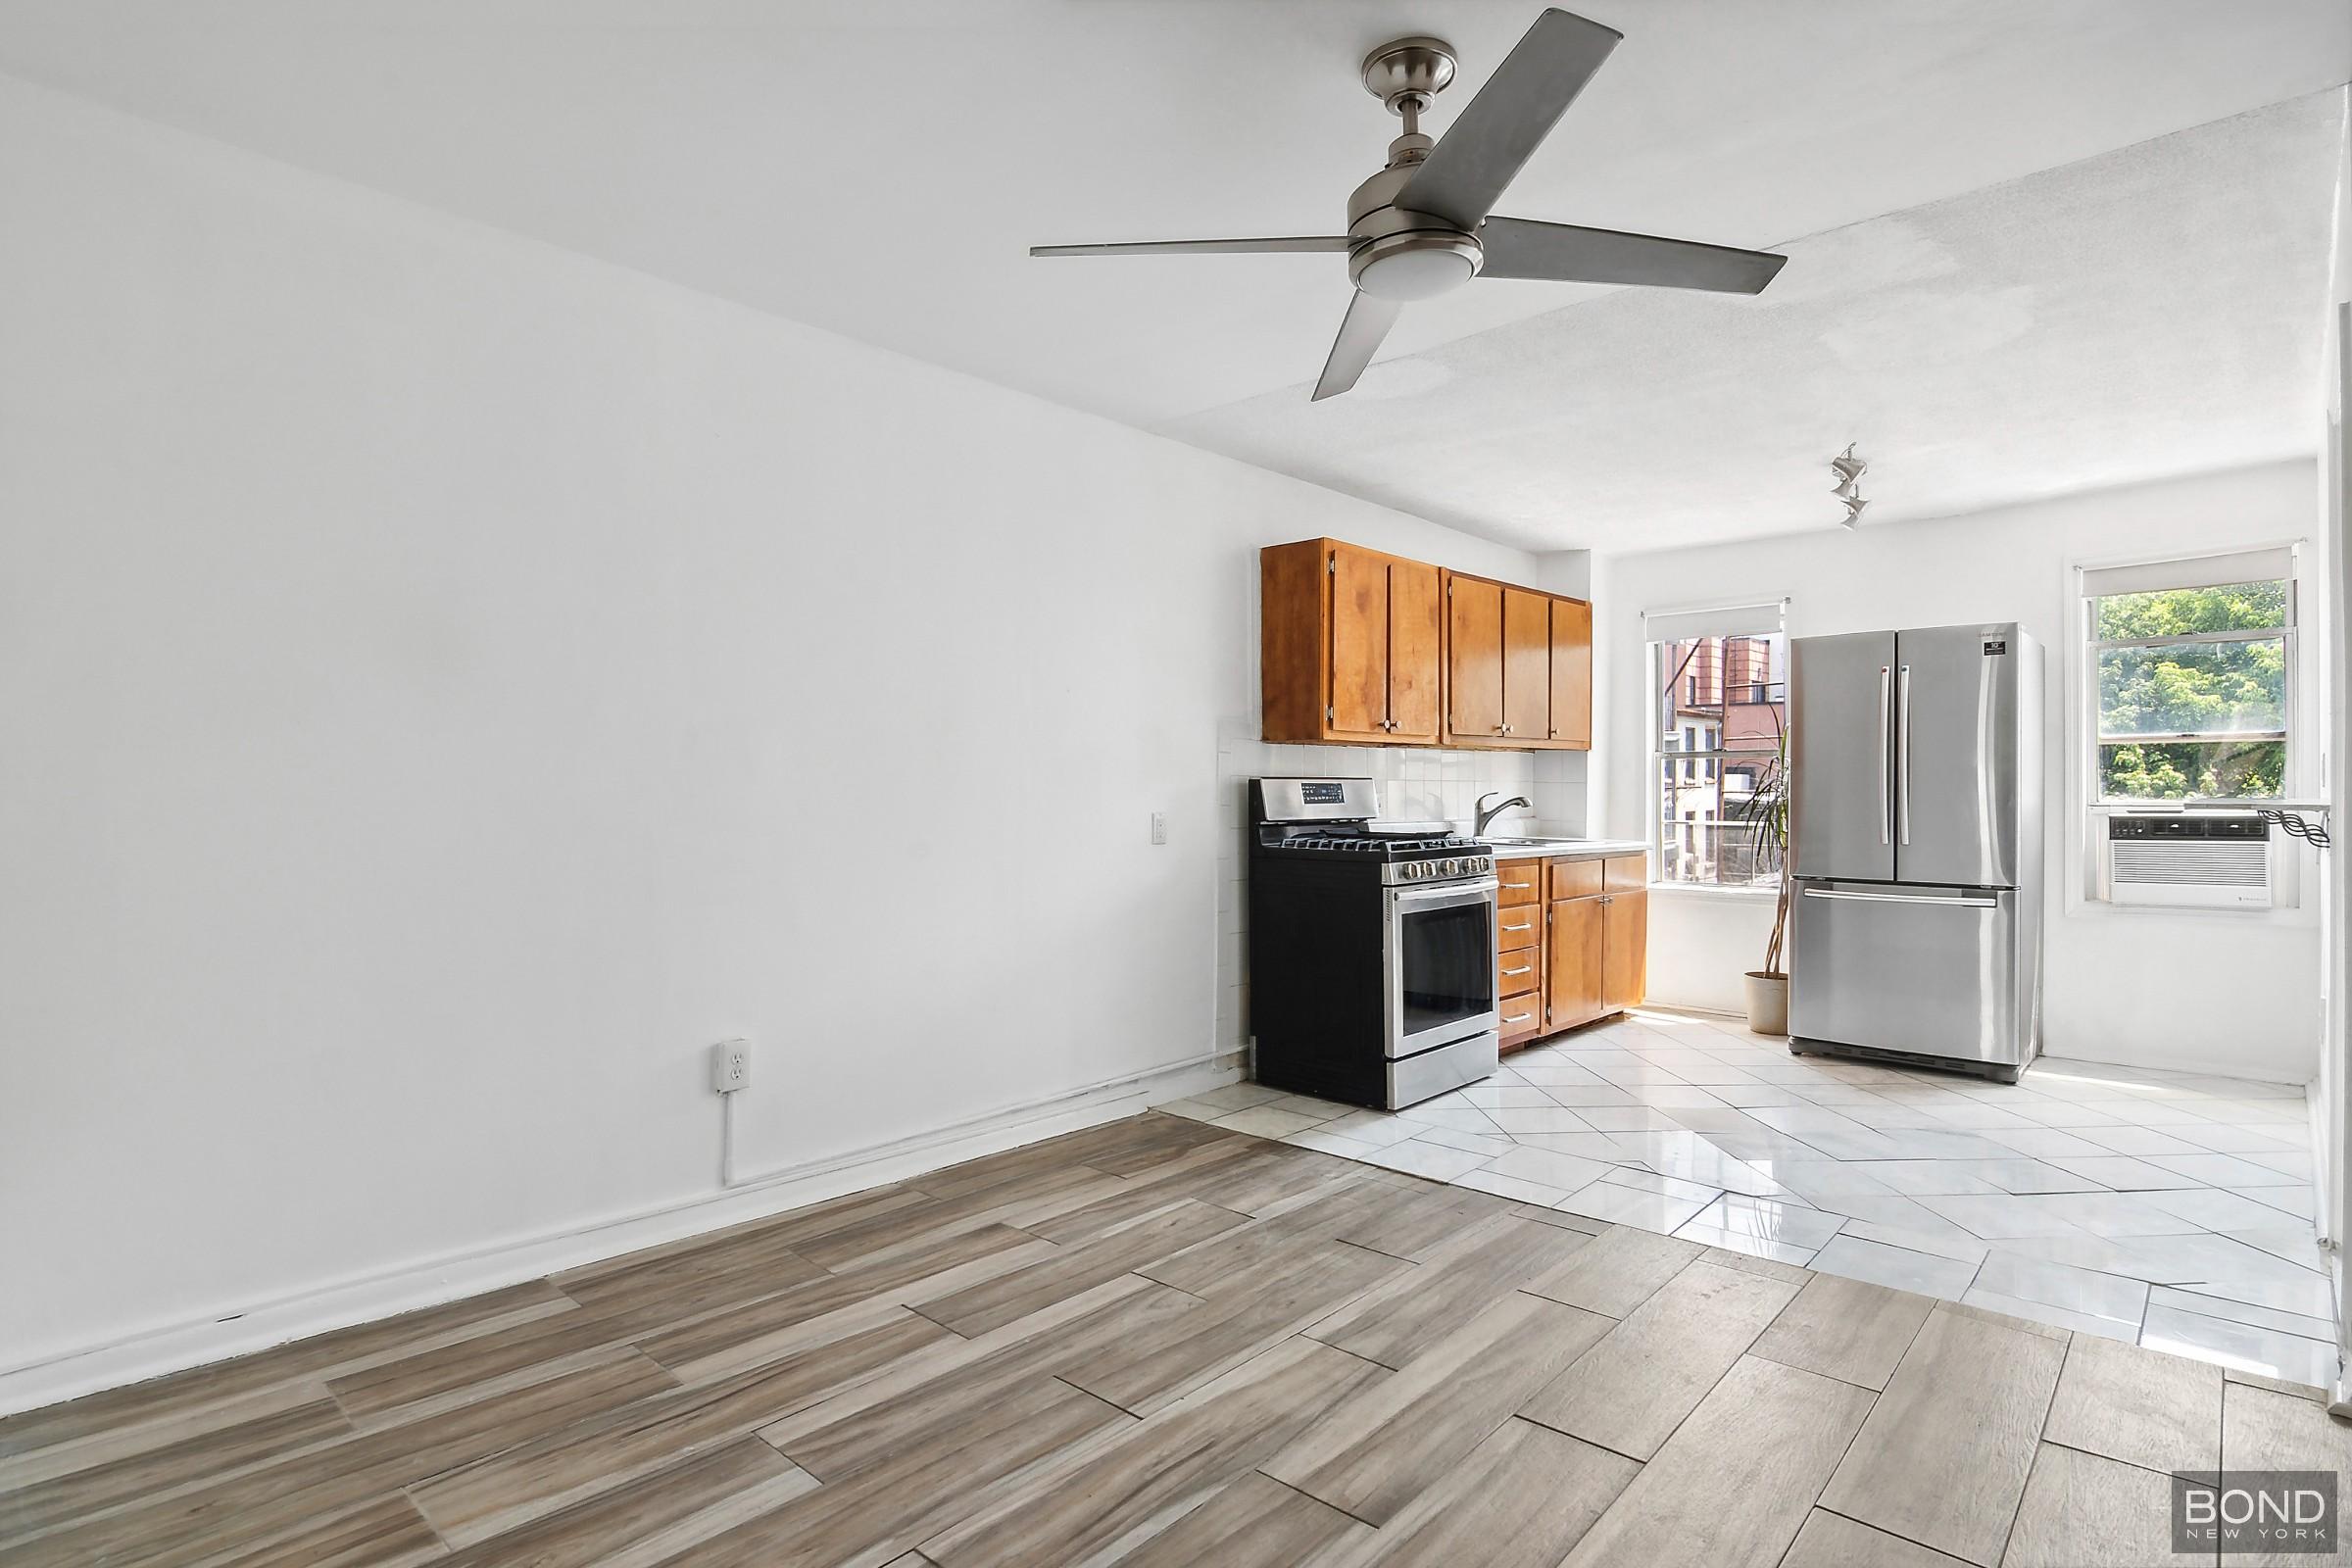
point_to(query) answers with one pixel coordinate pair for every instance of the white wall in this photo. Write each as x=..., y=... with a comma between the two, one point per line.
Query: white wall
x=2229, y=991
x=2335, y=525
x=448, y=682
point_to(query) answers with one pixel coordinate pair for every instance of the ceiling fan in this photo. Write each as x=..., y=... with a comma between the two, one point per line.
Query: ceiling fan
x=1425, y=224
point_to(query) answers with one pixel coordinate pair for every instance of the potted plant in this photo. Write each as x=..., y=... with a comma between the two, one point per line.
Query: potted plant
x=1766, y=812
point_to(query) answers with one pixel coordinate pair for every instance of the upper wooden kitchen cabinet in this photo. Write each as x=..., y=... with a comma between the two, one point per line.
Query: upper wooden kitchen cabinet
x=1518, y=667
x=1571, y=718
x=1349, y=644
x=1357, y=646
x=1498, y=662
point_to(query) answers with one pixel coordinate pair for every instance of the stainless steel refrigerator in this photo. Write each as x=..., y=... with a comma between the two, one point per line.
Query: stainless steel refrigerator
x=1915, y=837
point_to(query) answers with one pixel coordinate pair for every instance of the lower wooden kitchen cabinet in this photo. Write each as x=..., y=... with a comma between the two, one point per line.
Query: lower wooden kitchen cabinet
x=1519, y=936
x=1572, y=942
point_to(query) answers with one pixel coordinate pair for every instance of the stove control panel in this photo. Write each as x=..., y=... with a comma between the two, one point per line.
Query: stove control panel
x=1451, y=869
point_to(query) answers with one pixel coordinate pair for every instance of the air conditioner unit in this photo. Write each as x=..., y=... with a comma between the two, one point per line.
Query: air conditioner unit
x=2212, y=860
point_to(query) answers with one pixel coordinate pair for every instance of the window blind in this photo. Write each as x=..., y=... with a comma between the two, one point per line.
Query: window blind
x=1720, y=621
x=2198, y=572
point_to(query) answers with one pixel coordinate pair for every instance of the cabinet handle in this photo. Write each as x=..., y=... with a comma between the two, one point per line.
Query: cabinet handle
x=1605, y=899
x=1519, y=1018
x=1526, y=969
x=1518, y=884
x=1530, y=926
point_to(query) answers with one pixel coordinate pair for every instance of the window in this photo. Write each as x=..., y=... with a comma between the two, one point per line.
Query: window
x=1719, y=695
x=2189, y=678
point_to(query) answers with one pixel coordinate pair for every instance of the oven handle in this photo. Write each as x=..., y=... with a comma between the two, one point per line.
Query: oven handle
x=1439, y=898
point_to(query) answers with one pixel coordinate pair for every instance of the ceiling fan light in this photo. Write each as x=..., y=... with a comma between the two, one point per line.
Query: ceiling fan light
x=1411, y=276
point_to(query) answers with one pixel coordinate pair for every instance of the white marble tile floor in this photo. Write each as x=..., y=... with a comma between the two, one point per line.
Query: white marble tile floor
x=2168, y=1208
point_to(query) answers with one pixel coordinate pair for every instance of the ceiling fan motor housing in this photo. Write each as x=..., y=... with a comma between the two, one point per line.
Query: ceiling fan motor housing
x=1400, y=254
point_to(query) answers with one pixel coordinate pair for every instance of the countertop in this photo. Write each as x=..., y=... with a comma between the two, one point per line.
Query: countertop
x=1566, y=849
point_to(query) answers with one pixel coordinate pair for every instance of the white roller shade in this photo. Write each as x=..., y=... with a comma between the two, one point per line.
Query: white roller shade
x=2198, y=572
x=1720, y=621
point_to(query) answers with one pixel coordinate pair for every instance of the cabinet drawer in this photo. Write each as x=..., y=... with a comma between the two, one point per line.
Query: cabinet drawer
x=1517, y=929
x=1627, y=873
x=1522, y=969
x=1521, y=1015
x=1575, y=879
x=1521, y=881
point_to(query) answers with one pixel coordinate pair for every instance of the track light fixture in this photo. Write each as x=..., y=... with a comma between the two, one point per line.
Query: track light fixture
x=1849, y=468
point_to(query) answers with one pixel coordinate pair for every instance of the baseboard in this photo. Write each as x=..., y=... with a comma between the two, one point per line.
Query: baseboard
x=2189, y=1067
x=1696, y=1010
x=455, y=1276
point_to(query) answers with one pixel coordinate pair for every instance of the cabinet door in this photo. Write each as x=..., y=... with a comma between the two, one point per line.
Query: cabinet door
x=1359, y=644
x=1526, y=666
x=1625, y=951
x=1574, y=954
x=1473, y=660
x=1413, y=611
x=1571, y=673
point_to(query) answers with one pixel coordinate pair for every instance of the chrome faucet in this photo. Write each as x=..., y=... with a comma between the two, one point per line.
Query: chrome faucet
x=1487, y=813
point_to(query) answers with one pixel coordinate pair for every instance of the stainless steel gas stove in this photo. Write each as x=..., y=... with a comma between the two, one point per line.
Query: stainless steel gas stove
x=1372, y=969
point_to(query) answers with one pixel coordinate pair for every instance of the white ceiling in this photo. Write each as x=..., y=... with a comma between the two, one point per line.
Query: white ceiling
x=878, y=167
x=2151, y=311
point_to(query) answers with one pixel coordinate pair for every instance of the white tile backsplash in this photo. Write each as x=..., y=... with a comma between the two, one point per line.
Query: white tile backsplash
x=1418, y=784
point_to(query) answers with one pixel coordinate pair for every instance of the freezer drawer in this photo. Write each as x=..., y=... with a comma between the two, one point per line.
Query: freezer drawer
x=1930, y=971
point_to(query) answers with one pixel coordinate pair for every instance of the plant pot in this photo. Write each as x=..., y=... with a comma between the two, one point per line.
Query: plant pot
x=1767, y=1003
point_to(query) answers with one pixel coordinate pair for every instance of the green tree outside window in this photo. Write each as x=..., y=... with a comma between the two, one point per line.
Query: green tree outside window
x=2199, y=717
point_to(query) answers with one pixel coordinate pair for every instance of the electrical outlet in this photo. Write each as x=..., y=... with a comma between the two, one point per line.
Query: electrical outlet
x=1159, y=827
x=731, y=1065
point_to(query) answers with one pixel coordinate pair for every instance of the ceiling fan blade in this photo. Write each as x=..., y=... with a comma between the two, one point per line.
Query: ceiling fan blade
x=1521, y=247
x=1179, y=247
x=1366, y=323
x=1501, y=128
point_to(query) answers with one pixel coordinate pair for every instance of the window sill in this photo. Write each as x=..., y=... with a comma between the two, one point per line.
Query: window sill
x=1709, y=890
x=2108, y=910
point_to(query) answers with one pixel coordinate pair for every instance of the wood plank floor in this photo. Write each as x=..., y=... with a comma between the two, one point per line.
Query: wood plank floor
x=1155, y=1342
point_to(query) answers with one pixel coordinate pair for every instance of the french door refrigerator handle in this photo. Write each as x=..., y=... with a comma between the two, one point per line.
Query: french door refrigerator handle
x=1885, y=789
x=1903, y=750
x=1902, y=898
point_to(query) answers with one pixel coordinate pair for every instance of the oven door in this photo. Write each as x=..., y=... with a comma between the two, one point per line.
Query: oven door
x=1439, y=964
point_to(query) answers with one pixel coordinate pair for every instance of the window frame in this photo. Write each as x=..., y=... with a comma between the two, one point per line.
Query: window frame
x=1713, y=757
x=2094, y=737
